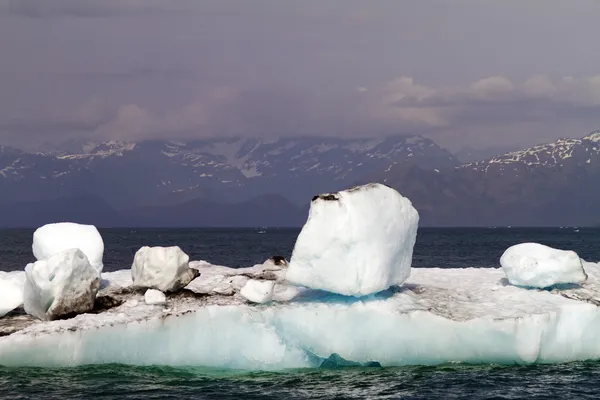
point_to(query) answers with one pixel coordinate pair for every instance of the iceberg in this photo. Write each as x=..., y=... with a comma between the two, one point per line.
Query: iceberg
x=355, y=242
x=437, y=316
x=540, y=266
x=163, y=268
x=51, y=239
x=61, y=285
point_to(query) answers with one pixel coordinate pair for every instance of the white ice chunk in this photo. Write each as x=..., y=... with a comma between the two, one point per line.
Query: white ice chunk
x=258, y=291
x=163, y=268
x=218, y=284
x=54, y=238
x=540, y=266
x=355, y=242
x=11, y=291
x=63, y=284
x=155, y=297
x=217, y=279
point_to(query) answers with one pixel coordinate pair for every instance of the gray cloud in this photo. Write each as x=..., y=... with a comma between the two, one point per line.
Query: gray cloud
x=126, y=76
x=85, y=9
x=400, y=106
x=463, y=72
x=498, y=106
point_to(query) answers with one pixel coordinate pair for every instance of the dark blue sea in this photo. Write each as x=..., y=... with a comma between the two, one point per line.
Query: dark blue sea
x=444, y=248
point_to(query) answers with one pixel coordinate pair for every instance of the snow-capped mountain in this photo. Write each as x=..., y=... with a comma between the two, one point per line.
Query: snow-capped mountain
x=128, y=175
x=561, y=153
x=555, y=183
x=296, y=156
x=160, y=181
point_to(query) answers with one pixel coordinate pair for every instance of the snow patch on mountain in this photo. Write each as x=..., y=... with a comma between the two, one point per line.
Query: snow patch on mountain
x=555, y=154
x=363, y=145
x=593, y=137
x=111, y=148
x=154, y=172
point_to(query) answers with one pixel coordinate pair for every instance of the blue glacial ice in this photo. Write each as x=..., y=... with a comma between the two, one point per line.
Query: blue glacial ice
x=437, y=316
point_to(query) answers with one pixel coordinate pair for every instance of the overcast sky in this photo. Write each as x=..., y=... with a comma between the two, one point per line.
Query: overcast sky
x=478, y=73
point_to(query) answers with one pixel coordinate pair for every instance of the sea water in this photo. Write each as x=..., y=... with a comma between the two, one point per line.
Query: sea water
x=445, y=248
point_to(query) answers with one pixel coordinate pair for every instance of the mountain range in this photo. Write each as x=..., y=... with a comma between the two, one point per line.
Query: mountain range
x=252, y=182
x=552, y=184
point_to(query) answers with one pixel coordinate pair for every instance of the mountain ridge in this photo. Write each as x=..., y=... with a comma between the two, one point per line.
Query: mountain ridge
x=551, y=184
x=127, y=174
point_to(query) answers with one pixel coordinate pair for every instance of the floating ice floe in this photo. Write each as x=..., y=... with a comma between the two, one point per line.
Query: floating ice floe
x=55, y=238
x=163, y=268
x=355, y=242
x=337, y=300
x=64, y=284
x=536, y=265
x=437, y=316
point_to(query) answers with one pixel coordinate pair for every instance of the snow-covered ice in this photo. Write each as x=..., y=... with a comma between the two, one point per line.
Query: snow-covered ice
x=258, y=291
x=437, y=316
x=64, y=284
x=51, y=239
x=163, y=268
x=155, y=297
x=11, y=291
x=537, y=265
x=220, y=280
x=355, y=242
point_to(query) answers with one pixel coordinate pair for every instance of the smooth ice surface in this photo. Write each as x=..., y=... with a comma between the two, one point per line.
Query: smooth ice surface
x=258, y=291
x=11, y=291
x=63, y=284
x=163, y=268
x=154, y=297
x=537, y=265
x=355, y=242
x=55, y=238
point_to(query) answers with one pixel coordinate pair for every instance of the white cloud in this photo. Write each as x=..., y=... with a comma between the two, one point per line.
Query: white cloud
x=404, y=89
x=131, y=122
x=404, y=92
x=401, y=101
x=93, y=111
x=493, y=108
x=539, y=86
x=592, y=90
x=575, y=91
x=491, y=88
